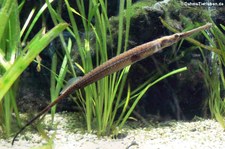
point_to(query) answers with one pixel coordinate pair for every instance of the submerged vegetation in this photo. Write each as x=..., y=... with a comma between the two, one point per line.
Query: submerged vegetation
x=108, y=103
x=214, y=74
x=14, y=59
x=212, y=67
x=101, y=101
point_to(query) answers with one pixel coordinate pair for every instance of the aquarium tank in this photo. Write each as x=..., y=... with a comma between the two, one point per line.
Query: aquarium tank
x=112, y=74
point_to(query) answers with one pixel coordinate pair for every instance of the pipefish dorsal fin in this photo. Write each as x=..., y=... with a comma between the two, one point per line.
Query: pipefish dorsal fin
x=70, y=83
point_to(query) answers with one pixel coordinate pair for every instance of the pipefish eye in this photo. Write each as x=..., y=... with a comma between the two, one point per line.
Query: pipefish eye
x=166, y=42
x=177, y=36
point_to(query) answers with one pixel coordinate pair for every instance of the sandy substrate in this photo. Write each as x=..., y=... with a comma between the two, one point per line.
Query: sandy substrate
x=202, y=134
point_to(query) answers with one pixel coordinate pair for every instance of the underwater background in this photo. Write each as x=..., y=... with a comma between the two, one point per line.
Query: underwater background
x=43, y=44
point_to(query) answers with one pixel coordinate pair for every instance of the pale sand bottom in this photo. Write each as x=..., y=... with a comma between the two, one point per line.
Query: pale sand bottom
x=205, y=134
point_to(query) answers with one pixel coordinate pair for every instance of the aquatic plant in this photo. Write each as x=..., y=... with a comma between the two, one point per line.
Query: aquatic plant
x=101, y=101
x=100, y=108
x=214, y=75
x=212, y=68
x=95, y=103
x=14, y=60
x=9, y=41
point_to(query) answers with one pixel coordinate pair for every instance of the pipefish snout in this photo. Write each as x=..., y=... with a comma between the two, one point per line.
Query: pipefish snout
x=117, y=63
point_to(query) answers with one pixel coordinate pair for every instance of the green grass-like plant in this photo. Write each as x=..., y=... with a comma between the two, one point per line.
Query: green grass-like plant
x=9, y=41
x=14, y=60
x=213, y=70
x=102, y=100
x=214, y=75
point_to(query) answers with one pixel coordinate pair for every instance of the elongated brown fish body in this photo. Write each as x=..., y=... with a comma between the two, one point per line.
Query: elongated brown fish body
x=131, y=56
x=117, y=63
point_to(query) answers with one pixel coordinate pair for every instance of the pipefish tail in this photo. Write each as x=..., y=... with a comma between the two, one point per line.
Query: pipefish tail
x=117, y=63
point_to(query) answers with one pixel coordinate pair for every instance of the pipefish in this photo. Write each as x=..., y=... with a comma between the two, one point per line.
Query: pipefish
x=117, y=63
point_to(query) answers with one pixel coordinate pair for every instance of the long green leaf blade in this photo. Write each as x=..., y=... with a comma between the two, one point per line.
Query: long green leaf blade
x=23, y=61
